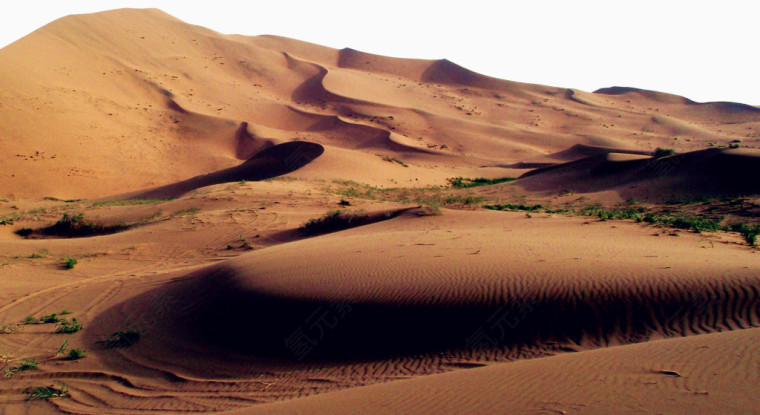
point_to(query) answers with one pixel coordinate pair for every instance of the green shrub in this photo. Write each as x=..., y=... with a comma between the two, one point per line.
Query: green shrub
x=748, y=233
x=69, y=262
x=465, y=200
x=47, y=392
x=462, y=182
x=69, y=327
x=75, y=226
x=511, y=207
x=76, y=354
x=27, y=365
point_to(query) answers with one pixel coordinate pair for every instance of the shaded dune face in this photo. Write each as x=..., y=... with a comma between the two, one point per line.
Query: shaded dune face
x=421, y=298
x=711, y=171
x=248, y=321
x=271, y=162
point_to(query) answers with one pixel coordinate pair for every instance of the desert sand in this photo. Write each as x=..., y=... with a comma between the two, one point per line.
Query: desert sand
x=198, y=222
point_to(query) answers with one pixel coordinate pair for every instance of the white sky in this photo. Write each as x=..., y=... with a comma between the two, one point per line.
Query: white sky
x=704, y=50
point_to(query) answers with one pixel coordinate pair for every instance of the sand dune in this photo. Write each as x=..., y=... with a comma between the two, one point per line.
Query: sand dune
x=426, y=299
x=402, y=298
x=652, y=377
x=704, y=172
x=164, y=93
x=292, y=228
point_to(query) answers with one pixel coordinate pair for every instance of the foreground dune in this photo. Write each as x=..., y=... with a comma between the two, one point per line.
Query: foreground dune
x=403, y=298
x=655, y=377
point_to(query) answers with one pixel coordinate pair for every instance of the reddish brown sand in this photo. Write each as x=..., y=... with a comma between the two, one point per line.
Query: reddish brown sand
x=208, y=152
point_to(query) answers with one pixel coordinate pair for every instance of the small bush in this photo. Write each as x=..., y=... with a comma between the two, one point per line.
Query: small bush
x=31, y=320
x=47, y=392
x=76, y=226
x=511, y=207
x=466, y=200
x=462, y=182
x=733, y=146
x=50, y=318
x=748, y=233
x=695, y=224
x=69, y=327
x=27, y=365
x=69, y=262
x=76, y=354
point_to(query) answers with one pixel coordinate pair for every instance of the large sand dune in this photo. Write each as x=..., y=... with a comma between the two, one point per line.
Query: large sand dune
x=157, y=177
x=168, y=100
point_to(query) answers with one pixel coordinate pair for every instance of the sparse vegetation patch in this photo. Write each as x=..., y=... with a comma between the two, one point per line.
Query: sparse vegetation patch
x=76, y=354
x=333, y=221
x=462, y=182
x=511, y=207
x=69, y=262
x=47, y=392
x=69, y=326
x=74, y=226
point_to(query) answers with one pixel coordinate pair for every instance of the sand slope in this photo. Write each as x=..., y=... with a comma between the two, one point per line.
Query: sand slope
x=403, y=298
x=656, y=377
x=703, y=172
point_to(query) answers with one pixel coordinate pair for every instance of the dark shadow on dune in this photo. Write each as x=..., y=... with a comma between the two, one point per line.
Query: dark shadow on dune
x=220, y=311
x=717, y=172
x=272, y=162
x=73, y=226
